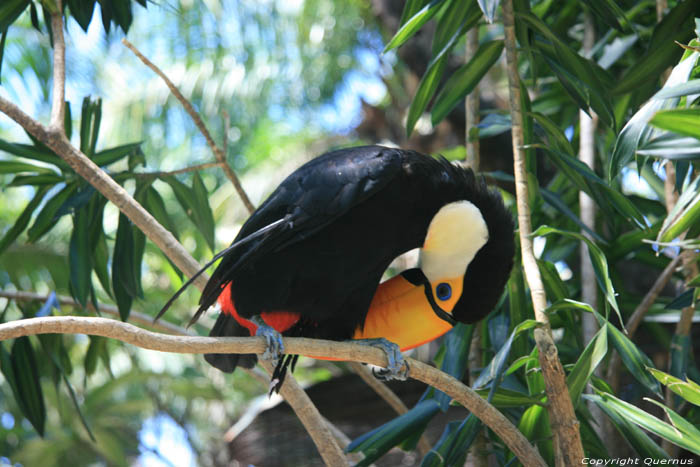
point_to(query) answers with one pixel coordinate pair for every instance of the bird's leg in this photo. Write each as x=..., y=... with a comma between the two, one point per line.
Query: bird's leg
x=275, y=347
x=397, y=367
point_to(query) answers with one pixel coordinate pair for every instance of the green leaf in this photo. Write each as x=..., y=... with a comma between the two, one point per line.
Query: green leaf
x=663, y=52
x=465, y=78
x=671, y=146
x=413, y=25
x=634, y=359
x=29, y=395
x=688, y=390
x=555, y=136
x=36, y=180
x=679, y=90
x=48, y=216
x=202, y=210
x=426, y=88
x=32, y=152
x=453, y=445
x=640, y=441
x=504, y=398
x=682, y=121
x=635, y=133
x=123, y=280
x=10, y=11
x=600, y=263
x=684, y=214
x=11, y=167
x=455, y=15
x=80, y=258
x=23, y=220
x=378, y=441
x=82, y=11
x=586, y=364
x=610, y=13
x=687, y=439
x=112, y=155
x=534, y=425
x=456, y=347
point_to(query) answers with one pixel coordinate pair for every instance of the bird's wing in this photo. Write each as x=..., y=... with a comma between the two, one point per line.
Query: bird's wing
x=311, y=198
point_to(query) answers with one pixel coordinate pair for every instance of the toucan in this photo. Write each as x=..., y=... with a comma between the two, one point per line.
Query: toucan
x=309, y=261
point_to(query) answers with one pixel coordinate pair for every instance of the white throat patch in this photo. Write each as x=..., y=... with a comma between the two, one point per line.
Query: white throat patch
x=455, y=235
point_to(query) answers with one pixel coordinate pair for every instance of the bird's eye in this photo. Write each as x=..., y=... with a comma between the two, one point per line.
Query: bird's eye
x=443, y=291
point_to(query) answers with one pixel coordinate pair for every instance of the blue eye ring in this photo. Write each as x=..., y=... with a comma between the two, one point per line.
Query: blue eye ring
x=443, y=291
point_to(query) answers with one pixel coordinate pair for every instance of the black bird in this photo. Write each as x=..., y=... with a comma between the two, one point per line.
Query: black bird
x=309, y=261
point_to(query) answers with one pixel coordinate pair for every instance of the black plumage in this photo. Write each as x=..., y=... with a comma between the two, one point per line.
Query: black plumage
x=332, y=228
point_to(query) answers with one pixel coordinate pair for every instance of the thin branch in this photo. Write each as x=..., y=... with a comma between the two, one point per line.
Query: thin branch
x=134, y=335
x=193, y=168
x=134, y=317
x=565, y=425
x=58, y=103
x=321, y=434
x=218, y=153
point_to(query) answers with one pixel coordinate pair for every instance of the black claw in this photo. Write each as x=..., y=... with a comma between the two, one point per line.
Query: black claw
x=397, y=368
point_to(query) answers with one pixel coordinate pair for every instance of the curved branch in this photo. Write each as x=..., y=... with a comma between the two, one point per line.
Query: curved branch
x=131, y=334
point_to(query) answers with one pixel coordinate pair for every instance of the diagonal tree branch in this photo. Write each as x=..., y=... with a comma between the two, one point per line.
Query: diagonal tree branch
x=134, y=335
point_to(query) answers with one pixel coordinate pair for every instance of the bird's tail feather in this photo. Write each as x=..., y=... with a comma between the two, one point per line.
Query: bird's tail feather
x=227, y=326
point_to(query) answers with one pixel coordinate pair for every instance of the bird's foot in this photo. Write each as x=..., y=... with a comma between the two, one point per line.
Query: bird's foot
x=275, y=347
x=397, y=367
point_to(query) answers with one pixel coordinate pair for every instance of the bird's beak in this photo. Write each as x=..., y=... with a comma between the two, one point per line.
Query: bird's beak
x=402, y=312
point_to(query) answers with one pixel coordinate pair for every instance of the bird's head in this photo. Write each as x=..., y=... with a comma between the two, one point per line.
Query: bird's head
x=466, y=258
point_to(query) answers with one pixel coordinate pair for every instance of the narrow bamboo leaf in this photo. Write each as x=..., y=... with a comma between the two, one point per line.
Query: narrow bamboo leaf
x=463, y=81
x=426, y=88
x=413, y=25
x=634, y=359
x=555, y=287
x=378, y=441
x=96, y=121
x=663, y=52
x=36, y=180
x=555, y=135
x=681, y=121
x=683, y=300
x=671, y=146
x=10, y=11
x=632, y=134
x=600, y=263
x=453, y=16
x=82, y=11
x=679, y=90
x=689, y=441
x=586, y=364
x=32, y=152
x=505, y=398
x=109, y=156
x=684, y=214
x=85, y=123
x=494, y=370
x=453, y=445
x=29, y=395
x=534, y=425
x=101, y=260
x=610, y=13
x=123, y=283
x=202, y=210
x=23, y=220
x=557, y=203
x=489, y=8
x=688, y=390
x=11, y=167
x=80, y=258
x=681, y=424
x=411, y=7
x=3, y=39
x=456, y=360
x=96, y=346
x=644, y=446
